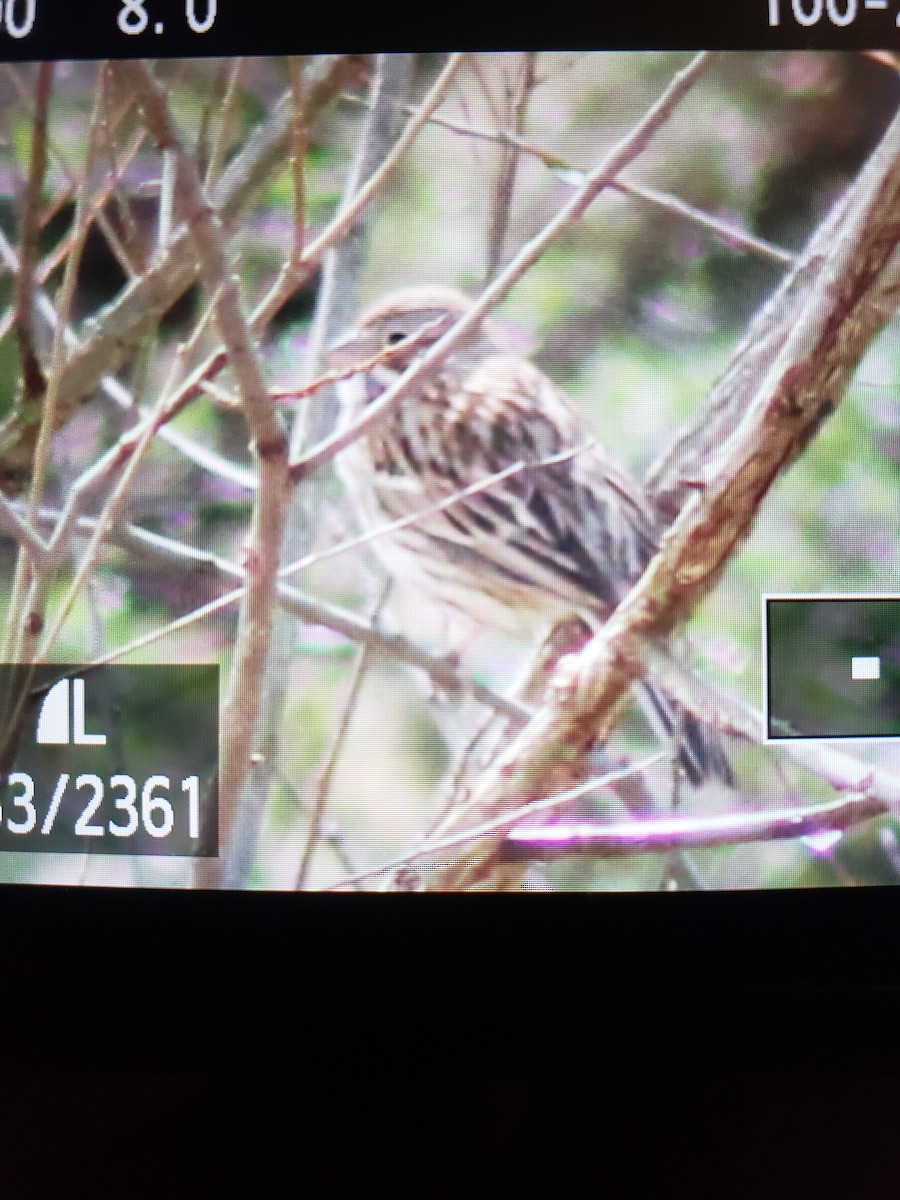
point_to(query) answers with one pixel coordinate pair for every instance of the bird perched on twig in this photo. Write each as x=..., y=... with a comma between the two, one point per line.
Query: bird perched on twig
x=523, y=514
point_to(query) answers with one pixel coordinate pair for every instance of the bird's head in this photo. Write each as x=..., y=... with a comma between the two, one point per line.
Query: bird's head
x=402, y=326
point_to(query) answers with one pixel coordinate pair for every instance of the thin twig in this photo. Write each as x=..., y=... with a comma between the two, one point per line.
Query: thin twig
x=38, y=588
x=502, y=825
x=341, y=269
x=661, y=835
x=385, y=356
x=166, y=205
x=298, y=152
x=109, y=517
x=610, y=166
x=726, y=231
x=350, y=210
x=824, y=343
x=33, y=379
x=307, y=609
x=240, y=707
x=431, y=510
x=361, y=663
x=18, y=529
x=121, y=454
x=122, y=326
x=329, y=833
x=108, y=125
x=203, y=456
x=514, y=103
x=32, y=375
x=220, y=144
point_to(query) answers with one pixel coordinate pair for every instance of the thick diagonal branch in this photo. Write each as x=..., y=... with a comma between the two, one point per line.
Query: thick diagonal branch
x=820, y=343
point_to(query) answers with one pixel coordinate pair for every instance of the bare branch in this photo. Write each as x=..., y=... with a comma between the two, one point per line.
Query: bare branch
x=341, y=267
x=20, y=531
x=822, y=346
x=203, y=456
x=660, y=835
x=518, y=84
x=840, y=769
x=332, y=756
x=226, y=108
x=120, y=329
x=618, y=158
x=31, y=584
x=299, y=135
x=33, y=381
x=500, y=825
x=111, y=122
x=352, y=207
x=726, y=231
x=240, y=709
x=312, y=612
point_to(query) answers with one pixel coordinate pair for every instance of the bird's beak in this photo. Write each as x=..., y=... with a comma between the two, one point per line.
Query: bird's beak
x=350, y=350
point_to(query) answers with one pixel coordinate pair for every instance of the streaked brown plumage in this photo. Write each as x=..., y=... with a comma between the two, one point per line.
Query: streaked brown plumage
x=564, y=537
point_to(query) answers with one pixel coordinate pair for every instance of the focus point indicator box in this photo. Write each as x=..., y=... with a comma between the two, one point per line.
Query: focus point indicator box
x=831, y=667
x=865, y=668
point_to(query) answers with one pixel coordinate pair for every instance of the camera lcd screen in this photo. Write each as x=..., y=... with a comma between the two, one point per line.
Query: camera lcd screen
x=450, y=471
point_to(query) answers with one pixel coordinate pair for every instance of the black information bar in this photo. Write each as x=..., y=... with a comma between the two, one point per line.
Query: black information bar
x=66, y=29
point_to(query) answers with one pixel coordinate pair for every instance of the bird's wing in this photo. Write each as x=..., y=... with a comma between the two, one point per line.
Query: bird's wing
x=570, y=521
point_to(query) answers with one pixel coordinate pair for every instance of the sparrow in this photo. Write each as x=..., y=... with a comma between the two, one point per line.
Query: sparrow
x=496, y=500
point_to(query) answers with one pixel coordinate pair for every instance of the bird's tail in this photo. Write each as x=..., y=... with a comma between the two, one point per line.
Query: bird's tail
x=699, y=747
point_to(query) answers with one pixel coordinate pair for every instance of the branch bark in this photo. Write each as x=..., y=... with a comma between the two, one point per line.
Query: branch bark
x=662, y=835
x=119, y=331
x=240, y=710
x=342, y=266
x=623, y=153
x=846, y=286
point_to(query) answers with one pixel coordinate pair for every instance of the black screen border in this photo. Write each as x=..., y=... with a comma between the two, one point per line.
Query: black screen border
x=140, y=980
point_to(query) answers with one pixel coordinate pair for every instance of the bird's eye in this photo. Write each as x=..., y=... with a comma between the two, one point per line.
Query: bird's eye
x=394, y=338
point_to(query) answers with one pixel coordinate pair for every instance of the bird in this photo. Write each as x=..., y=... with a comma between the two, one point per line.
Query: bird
x=525, y=518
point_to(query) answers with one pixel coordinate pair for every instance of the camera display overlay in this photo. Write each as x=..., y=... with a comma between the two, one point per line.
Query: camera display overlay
x=515, y=434
x=101, y=763
x=833, y=667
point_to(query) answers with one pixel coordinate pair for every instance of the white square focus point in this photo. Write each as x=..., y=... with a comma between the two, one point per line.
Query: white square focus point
x=865, y=668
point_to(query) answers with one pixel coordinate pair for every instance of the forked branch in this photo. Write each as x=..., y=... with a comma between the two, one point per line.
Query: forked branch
x=848, y=294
